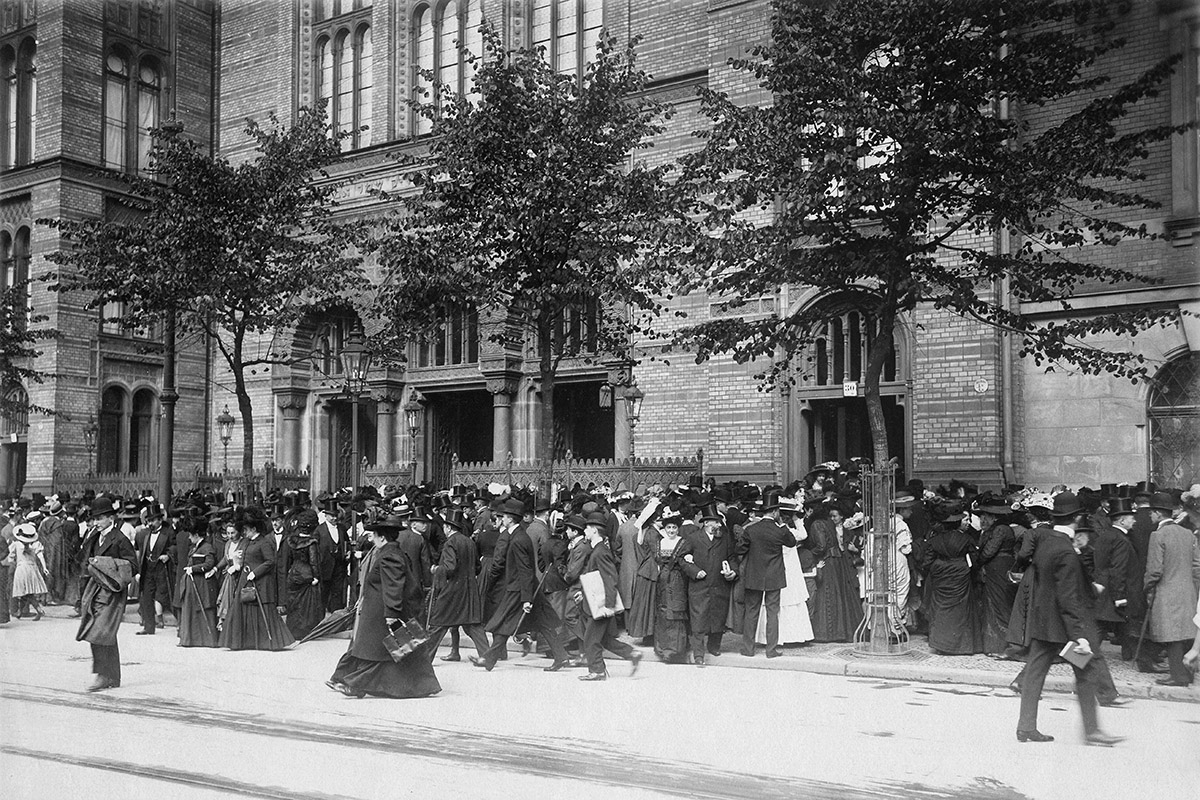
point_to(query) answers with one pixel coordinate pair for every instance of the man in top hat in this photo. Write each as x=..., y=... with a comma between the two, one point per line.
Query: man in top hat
x=1060, y=615
x=332, y=545
x=1115, y=573
x=710, y=568
x=154, y=569
x=103, y=602
x=414, y=544
x=760, y=553
x=1172, y=578
x=509, y=515
x=456, y=598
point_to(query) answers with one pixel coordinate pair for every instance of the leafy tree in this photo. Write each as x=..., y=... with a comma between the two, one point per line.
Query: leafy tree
x=896, y=146
x=232, y=251
x=18, y=349
x=532, y=205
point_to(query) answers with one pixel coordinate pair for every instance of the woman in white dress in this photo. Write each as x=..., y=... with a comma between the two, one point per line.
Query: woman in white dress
x=795, y=626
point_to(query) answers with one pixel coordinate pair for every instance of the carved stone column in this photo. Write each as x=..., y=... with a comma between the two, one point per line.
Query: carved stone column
x=502, y=389
x=385, y=430
x=291, y=407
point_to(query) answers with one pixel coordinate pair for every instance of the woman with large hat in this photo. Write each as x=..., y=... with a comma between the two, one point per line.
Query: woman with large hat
x=671, y=593
x=385, y=600
x=997, y=551
x=951, y=558
x=305, y=608
x=27, y=556
x=196, y=589
x=836, y=607
x=254, y=622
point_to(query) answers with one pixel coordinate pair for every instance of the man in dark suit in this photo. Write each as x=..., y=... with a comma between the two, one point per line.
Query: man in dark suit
x=760, y=552
x=511, y=514
x=414, y=544
x=154, y=544
x=600, y=625
x=279, y=534
x=103, y=604
x=1060, y=614
x=332, y=545
x=1115, y=564
x=710, y=569
x=457, y=601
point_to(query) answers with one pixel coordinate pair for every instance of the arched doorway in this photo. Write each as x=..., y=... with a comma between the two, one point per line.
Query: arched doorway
x=831, y=423
x=1173, y=412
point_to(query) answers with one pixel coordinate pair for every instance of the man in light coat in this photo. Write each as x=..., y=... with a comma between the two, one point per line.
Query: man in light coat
x=1173, y=575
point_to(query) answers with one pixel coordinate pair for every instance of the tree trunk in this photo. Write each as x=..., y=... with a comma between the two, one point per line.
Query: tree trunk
x=247, y=414
x=881, y=347
x=546, y=373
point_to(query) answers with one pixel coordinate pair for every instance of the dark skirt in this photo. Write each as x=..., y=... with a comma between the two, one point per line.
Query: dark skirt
x=246, y=629
x=1000, y=593
x=836, y=607
x=412, y=677
x=639, y=617
x=304, y=610
x=197, y=626
x=671, y=617
x=956, y=608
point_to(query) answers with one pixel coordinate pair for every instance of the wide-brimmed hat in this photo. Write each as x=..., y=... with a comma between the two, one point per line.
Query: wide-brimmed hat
x=130, y=511
x=1066, y=504
x=788, y=505
x=513, y=507
x=25, y=533
x=595, y=518
x=251, y=517
x=670, y=516
x=904, y=501
x=1162, y=501
x=391, y=522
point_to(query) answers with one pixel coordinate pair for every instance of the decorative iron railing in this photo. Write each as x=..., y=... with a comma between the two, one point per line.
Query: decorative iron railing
x=393, y=475
x=230, y=483
x=617, y=473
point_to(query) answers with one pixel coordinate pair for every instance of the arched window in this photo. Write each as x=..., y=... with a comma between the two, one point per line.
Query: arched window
x=568, y=30
x=1174, y=416
x=15, y=253
x=132, y=107
x=18, y=111
x=344, y=66
x=128, y=433
x=454, y=341
x=443, y=34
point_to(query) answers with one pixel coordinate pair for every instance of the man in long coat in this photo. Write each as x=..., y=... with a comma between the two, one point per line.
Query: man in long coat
x=1173, y=575
x=511, y=516
x=1060, y=613
x=760, y=553
x=154, y=543
x=711, y=574
x=103, y=601
x=1114, y=560
x=600, y=627
x=332, y=543
x=456, y=598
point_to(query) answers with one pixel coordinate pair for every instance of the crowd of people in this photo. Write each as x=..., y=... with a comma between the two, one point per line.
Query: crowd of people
x=675, y=568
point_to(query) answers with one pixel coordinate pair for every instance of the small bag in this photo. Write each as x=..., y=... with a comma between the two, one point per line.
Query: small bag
x=248, y=594
x=403, y=640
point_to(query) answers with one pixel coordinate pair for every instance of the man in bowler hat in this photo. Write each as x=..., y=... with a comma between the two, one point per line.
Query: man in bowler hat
x=103, y=602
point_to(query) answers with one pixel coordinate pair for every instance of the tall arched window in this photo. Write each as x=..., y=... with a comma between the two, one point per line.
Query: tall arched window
x=344, y=66
x=18, y=111
x=1174, y=416
x=15, y=254
x=132, y=107
x=443, y=34
x=127, y=440
x=568, y=30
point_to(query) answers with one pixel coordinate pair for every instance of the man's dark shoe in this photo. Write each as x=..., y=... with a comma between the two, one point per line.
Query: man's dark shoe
x=594, y=676
x=774, y=653
x=1116, y=702
x=1168, y=681
x=714, y=651
x=144, y=633
x=487, y=663
x=556, y=666
x=635, y=658
x=1034, y=736
x=335, y=685
x=1014, y=687
x=452, y=657
x=99, y=684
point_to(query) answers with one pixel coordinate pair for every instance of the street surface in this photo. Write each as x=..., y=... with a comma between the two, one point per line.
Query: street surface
x=196, y=723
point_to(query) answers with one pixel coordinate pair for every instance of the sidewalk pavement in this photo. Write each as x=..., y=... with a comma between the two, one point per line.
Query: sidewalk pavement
x=920, y=665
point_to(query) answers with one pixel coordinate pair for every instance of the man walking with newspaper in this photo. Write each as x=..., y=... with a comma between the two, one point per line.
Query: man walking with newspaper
x=599, y=581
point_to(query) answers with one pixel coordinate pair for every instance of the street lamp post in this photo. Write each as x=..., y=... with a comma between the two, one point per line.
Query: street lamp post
x=412, y=415
x=633, y=409
x=89, y=441
x=225, y=429
x=356, y=363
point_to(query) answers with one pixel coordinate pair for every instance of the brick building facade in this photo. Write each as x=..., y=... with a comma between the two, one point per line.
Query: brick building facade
x=958, y=401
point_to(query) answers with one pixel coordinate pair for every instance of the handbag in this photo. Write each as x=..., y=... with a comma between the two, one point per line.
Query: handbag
x=248, y=593
x=405, y=639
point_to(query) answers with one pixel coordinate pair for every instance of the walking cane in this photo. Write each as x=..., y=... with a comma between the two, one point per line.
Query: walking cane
x=1145, y=623
x=524, y=613
x=263, y=611
x=200, y=603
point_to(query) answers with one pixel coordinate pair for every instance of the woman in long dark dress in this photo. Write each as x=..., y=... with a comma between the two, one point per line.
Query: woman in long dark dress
x=950, y=557
x=384, y=600
x=304, y=607
x=639, y=617
x=254, y=622
x=836, y=607
x=196, y=592
x=997, y=550
x=671, y=594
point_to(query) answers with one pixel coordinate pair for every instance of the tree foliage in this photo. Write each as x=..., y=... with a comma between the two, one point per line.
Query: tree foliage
x=235, y=251
x=896, y=147
x=532, y=202
x=19, y=340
